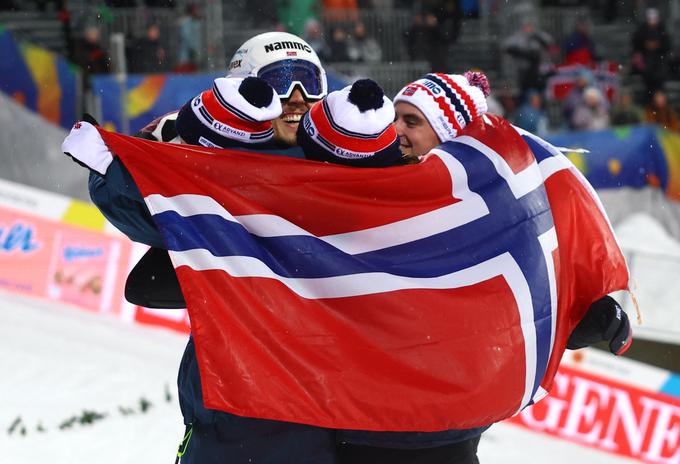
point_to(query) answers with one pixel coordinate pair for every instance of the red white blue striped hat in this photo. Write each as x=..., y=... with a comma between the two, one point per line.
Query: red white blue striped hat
x=235, y=112
x=353, y=126
x=448, y=101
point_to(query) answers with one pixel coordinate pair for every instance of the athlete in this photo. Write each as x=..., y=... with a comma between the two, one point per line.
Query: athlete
x=292, y=71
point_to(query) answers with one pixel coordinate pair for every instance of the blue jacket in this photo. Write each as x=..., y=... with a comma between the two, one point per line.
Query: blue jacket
x=120, y=201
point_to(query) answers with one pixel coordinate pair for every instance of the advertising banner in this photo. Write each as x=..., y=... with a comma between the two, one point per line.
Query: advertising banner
x=141, y=98
x=631, y=156
x=39, y=79
x=48, y=259
x=612, y=404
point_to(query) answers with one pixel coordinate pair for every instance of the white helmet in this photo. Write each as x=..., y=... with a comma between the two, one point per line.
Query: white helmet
x=284, y=61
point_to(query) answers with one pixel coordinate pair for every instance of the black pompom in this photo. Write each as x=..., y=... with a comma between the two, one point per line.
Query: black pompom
x=256, y=92
x=366, y=95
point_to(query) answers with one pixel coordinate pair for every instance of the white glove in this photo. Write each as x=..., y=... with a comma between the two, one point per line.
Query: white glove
x=85, y=145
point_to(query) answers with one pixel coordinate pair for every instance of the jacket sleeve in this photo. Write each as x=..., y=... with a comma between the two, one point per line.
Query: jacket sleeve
x=120, y=201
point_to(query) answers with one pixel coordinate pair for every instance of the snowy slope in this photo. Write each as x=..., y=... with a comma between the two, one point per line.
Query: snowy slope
x=59, y=360
x=654, y=260
x=510, y=444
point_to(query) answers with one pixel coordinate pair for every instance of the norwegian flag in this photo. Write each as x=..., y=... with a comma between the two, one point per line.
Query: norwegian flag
x=414, y=298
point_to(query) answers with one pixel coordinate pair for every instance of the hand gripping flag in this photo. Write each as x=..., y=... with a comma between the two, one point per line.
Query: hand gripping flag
x=413, y=298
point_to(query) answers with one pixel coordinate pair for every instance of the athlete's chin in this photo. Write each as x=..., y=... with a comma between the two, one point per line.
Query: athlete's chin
x=406, y=150
x=285, y=133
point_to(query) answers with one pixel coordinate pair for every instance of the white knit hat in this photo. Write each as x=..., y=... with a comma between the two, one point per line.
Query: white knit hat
x=448, y=101
x=353, y=126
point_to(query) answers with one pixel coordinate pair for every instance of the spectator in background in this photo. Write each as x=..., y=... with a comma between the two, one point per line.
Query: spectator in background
x=361, y=47
x=425, y=40
x=610, y=10
x=506, y=98
x=8, y=5
x=261, y=13
x=294, y=14
x=435, y=26
x=147, y=54
x=494, y=105
x=470, y=8
x=341, y=10
x=651, y=45
x=338, y=45
x=575, y=97
x=160, y=3
x=624, y=112
x=592, y=113
x=659, y=112
x=189, y=52
x=121, y=3
x=449, y=17
x=89, y=54
x=579, y=47
x=530, y=116
x=531, y=50
x=314, y=37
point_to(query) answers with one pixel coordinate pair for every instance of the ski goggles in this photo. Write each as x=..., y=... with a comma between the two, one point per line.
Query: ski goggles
x=285, y=75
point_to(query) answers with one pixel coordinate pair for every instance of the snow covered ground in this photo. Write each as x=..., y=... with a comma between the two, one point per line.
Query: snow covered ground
x=654, y=260
x=58, y=361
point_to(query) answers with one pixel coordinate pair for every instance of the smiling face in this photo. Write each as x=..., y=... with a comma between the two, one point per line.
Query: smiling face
x=286, y=125
x=416, y=136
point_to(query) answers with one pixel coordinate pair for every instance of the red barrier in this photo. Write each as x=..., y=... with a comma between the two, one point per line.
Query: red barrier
x=173, y=319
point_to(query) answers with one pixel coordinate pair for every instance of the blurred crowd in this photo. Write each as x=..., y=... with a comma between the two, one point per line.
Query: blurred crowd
x=149, y=52
x=590, y=102
x=571, y=81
